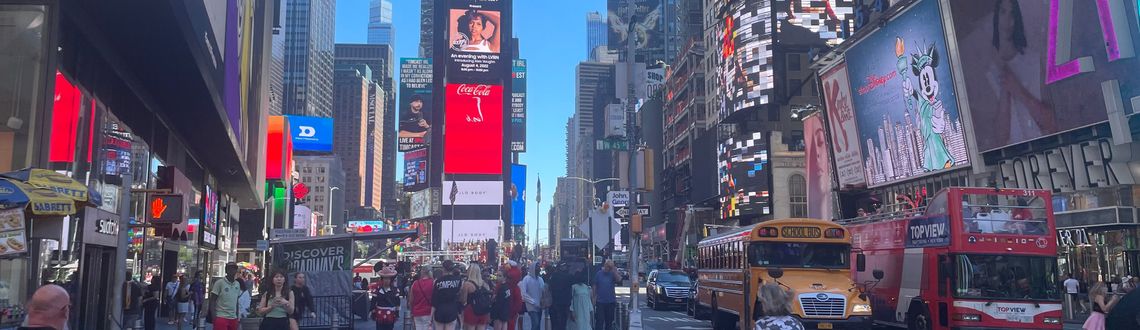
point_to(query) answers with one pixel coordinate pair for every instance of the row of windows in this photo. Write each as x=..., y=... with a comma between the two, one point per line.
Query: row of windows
x=728, y=255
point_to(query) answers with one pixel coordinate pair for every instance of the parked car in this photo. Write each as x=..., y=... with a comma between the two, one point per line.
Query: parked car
x=667, y=287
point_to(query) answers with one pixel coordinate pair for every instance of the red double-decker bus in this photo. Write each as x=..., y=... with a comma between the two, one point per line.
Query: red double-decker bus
x=972, y=258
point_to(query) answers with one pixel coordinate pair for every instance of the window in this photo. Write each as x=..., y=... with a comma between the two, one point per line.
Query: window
x=794, y=62
x=795, y=86
x=797, y=195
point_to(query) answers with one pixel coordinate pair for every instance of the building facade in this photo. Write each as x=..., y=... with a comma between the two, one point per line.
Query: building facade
x=597, y=32
x=324, y=176
x=308, y=76
x=380, y=28
x=382, y=118
x=427, y=11
x=351, y=122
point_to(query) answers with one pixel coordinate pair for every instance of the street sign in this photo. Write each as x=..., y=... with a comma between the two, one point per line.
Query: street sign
x=603, y=145
x=290, y=232
x=618, y=198
x=643, y=210
x=262, y=245
x=622, y=212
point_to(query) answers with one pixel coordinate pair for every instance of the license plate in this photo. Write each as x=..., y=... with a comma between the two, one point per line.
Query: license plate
x=679, y=300
x=824, y=325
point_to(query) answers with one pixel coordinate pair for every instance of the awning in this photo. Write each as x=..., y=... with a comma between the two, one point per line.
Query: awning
x=43, y=201
x=61, y=184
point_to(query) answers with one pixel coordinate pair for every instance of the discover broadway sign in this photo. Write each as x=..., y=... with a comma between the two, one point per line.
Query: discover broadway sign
x=323, y=255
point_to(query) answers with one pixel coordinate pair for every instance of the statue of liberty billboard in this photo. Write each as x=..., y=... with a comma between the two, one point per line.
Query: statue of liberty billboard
x=925, y=101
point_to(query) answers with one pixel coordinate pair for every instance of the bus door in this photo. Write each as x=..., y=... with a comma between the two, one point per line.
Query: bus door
x=944, y=276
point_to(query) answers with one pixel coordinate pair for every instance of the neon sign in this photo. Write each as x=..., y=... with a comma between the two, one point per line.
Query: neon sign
x=1114, y=28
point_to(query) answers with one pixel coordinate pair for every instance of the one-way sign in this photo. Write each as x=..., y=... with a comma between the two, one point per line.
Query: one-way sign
x=624, y=212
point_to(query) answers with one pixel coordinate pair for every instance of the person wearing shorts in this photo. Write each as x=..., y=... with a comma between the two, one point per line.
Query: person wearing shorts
x=224, y=299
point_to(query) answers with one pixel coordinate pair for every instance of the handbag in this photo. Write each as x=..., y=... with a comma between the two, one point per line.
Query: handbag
x=384, y=315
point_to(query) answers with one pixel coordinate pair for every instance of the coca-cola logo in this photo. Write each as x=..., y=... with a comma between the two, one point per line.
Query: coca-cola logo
x=473, y=90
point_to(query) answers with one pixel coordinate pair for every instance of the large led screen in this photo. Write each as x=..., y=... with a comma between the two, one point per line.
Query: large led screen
x=745, y=56
x=518, y=194
x=474, y=126
x=742, y=165
x=518, y=106
x=1021, y=87
x=903, y=93
x=416, y=170
x=818, y=169
x=475, y=36
x=415, y=103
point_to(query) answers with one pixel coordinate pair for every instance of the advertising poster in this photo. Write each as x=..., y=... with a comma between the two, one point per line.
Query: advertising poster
x=745, y=61
x=904, y=100
x=311, y=133
x=327, y=265
x=649, y=26
x=466, y=231
x=742, y=165
x=416, y=170
x=421, y=204
x=844, y=137
x=210, y=217
x=1016, y=94
x=474, y=124
x=518, y=194
x=475, y=37
x=518, y=107
x=12, y=238
x=415, y=103
x=818, y=163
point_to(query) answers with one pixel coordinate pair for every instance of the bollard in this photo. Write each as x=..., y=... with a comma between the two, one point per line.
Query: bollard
x=622, y=317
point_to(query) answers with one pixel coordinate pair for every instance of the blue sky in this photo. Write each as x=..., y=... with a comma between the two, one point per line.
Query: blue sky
x=552, y=37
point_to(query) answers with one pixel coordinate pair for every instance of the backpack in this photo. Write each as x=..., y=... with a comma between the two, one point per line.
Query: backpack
x=481, y=300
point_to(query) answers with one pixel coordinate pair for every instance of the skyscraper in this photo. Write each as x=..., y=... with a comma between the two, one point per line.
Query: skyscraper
x=379, y=58
x=308, y=77
x=351, y=125
x=380, y=28
x=596, y=32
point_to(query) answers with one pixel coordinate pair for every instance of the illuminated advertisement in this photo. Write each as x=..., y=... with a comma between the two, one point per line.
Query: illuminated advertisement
x=474, y=192
x=745, y=61
x=209, y=223
x=1021, y=87
x=64, y=120
x=475, y=36
x=311, y=133
x=648, y=28
x=831, y=19
x=462, y=231
x=818, y=164
x=416, y=170
x=279, y=149
x=518, y=194
x=845, y=137
x=743, y=169
x=474, y=123
x=904, y=100
x=518, y=106
x=415, y=103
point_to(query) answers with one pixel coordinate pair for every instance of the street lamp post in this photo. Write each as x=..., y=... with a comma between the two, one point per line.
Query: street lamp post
x=593, y=196
x=329, y=211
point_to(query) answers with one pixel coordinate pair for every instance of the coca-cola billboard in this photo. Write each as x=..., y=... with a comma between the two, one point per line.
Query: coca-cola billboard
x=473, y=127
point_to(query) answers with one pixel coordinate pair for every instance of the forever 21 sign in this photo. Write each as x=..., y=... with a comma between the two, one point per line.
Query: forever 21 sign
x=1075, y=167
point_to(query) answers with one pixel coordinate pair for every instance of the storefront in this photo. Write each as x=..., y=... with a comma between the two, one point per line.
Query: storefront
x=1098, y=233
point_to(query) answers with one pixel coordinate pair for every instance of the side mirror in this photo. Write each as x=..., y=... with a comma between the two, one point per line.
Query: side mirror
x=776, y=272
x=877, y=274
x=860, y=262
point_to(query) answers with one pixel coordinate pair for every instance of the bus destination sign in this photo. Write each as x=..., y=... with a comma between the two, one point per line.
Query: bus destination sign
x=800, y=232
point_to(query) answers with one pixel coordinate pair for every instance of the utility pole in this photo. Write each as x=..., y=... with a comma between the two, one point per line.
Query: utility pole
x=632, y=141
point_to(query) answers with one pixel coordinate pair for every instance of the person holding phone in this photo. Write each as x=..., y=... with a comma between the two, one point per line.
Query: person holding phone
x=276, y=304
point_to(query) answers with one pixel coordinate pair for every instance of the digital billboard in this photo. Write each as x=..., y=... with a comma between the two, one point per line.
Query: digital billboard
x=416, y=170
x=475, y=36
x=905, y=106
x=832, y=20
x=311, y=133
x=1021, y=87
x=518, y=106
x=518, y=194
x=210, y=217
x=745, y=61
x=415, y=103
x=474, y=124
x=465, y=231
x=844, y=135
x=818, y=165
x=648, y=27
x=743, y=169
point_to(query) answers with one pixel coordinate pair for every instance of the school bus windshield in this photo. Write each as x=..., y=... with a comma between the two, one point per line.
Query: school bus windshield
x=798, y=255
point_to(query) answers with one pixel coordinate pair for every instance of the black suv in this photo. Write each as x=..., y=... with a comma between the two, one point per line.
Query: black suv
x=667, y=287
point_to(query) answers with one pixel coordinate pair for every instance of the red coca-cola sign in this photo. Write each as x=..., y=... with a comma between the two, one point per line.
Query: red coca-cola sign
x=473, y=142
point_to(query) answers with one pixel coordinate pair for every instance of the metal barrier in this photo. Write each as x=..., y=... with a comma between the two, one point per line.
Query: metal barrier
x=622, y=316
x=332, y=312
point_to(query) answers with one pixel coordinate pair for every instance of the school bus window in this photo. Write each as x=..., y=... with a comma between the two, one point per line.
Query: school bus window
x=799, y=255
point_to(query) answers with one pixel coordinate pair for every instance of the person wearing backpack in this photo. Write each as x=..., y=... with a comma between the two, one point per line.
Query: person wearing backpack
x=478, y=312
x=132, y=301
x=447, y=298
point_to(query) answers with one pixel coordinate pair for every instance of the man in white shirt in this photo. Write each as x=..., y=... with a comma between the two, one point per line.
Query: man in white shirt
x=532, y=287
x=1073, y=289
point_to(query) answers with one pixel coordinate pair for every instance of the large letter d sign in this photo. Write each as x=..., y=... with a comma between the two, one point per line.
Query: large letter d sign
x=307, y=131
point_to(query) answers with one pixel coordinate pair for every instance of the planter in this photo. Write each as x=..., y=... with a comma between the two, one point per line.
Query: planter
x=250, y=323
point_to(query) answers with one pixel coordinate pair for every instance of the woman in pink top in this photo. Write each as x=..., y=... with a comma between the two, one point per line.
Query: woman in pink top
x=420, y=298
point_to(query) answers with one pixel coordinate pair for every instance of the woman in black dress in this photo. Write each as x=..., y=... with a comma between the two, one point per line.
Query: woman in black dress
x=151, y=302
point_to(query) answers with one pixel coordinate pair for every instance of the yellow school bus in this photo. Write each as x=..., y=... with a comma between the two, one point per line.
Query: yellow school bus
x=810, y=257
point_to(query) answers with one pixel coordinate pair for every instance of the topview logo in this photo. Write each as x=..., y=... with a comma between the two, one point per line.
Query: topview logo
x=307, y=131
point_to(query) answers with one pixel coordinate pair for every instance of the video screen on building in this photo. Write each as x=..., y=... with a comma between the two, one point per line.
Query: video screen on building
x=905, y=104
x=416, y=170
x=415, y=103
x=474, y=122
x=518, y=106
x=743, y=169
x=475, y=36
x=744, y=64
